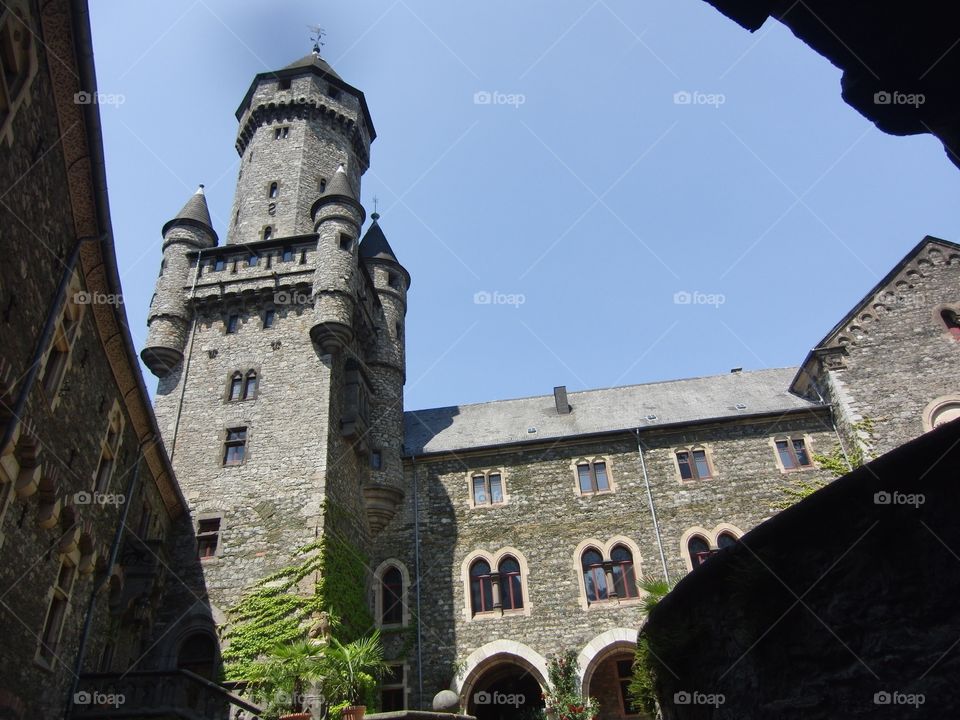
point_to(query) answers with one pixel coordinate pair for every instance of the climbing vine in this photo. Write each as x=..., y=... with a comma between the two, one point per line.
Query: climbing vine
x=329, y=575
x=646, y=666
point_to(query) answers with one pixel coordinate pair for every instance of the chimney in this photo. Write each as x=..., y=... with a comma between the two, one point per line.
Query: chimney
x=560, y=398
x=736, y=370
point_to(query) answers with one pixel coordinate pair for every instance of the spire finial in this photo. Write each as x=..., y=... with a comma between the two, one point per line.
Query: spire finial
x=375, y=215
x=317, y=34
x=200, y=190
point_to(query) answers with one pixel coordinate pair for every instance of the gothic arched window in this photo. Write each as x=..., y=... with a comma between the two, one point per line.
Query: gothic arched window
x=952, y=322
x=236, y=387
x=624, y=577
x=481, y=587
x=699, y=550
x=250, y=385
x=511, y=585
x=725, y=540
x=594, y=578
x=391, y=589
x=274, y=189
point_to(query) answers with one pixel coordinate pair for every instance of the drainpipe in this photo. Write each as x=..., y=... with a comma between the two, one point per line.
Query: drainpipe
x=104, y=579
x=653, y=511
x=44, y=341
x=833, y=422
x=186, y=363
x=416, y=570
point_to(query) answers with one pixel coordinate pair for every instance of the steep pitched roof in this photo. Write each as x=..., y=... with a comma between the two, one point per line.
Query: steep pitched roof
x=374, y=245
x=194, y=212
x=673, y=402
x=339, y=185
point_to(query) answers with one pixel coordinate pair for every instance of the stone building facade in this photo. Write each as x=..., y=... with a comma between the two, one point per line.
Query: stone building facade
x=493, y=535
x=90, y=510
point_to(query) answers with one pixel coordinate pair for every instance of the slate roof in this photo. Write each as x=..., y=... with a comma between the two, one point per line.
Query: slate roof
x=194, y=212
x=315, y=60
x=374, y=244
x=463, y=427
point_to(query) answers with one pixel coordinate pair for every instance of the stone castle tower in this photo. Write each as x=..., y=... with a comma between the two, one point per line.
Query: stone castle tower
x=281, y=353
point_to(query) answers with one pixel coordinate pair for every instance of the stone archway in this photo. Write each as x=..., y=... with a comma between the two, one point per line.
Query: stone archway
x=605, y=665
x=502, y=680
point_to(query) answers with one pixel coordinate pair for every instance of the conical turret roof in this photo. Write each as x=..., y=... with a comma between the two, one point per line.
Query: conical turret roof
x=339, y=185
x=195, y=212
x=374, y=245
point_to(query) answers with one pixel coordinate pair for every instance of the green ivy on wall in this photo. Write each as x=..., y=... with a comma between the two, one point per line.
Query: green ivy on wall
x=329, y=575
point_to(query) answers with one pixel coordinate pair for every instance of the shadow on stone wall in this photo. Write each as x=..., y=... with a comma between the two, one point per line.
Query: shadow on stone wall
x=844, y=605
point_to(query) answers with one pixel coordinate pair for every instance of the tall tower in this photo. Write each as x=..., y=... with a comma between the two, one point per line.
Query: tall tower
x=280, y=354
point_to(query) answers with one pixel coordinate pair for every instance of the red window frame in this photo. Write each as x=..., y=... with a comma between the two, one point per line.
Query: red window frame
x=511, y=584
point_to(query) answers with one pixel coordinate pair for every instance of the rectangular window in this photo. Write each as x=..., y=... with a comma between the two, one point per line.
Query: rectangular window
x=50, y=637
x=288, y=254
x=392, y=694
x=496, y=488
x=252, y=260
x=268, y=317
x=284, y=84
x=376, y=459
x=235, y=446
x=281, y=133
x=793, y=454
x=592, y=477
x=479, y=490
x=694, y=465
x=109, y=447
x=624, y=676
x=219, y=264
x=232, y=322
x=208, y=537
x=346, y=242
x=56, y=364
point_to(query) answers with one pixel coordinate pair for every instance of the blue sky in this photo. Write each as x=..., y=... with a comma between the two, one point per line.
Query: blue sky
x=583, y=164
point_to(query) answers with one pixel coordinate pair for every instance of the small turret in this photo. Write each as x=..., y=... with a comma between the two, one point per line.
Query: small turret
x=384, y=492
x=338, y=217
x=169, y=318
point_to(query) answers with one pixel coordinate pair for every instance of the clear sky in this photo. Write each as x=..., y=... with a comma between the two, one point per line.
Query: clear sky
x=581, y=163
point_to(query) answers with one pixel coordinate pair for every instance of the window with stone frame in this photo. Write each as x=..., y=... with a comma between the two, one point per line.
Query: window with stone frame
x=694, y=464
x=951, y=320
x=792, y=453
x=487, y=488
x=481, y=587
x=208, y=537
x=109, y=449
x=235, y=387
x=624, y=576
x=594, y=577
x=274, y=189
x=281, y=133
x=511, y=583
x=287, y=254
x=235, y=446
x=393, y=691
x=60, y=352
x=251, y=383
x=269, y=317
x=56, y=612
x=699, y=550
x=592, y=477
x=391, y=596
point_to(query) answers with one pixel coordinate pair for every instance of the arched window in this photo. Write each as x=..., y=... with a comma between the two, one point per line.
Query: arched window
x=624, y=578
x=250, y=385
x=594, y=578
x=236, y=387
x=699, y=550
x=274, y=189
x=198, y=654
x=511, y=586
x=391, y=595
x=952, y=321
x=725, y=540
x=481, y=587
x=267, y=232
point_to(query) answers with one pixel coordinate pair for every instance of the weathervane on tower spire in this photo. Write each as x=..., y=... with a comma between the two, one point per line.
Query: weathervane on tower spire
x=317, y=34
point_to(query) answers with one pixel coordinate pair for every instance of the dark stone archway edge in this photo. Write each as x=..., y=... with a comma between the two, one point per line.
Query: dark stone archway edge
x=881, y=47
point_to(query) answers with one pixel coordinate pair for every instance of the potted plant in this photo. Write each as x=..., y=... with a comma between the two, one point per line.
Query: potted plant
x=351, y=671
x=281, y=679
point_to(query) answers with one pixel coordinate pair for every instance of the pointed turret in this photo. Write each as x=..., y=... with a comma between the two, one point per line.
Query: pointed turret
x=374, y=244
x=195, y=213
x=169, y=316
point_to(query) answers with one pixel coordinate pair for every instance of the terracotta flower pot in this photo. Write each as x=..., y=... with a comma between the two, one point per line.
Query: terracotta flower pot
x=354, y=712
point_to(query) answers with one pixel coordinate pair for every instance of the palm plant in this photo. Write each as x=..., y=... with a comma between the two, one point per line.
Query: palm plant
x=351, y=670
x=281, y=679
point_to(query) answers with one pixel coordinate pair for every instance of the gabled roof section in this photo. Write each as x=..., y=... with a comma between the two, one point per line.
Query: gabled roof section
x=195, y=212
x=869, y=298
x=507, y=422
